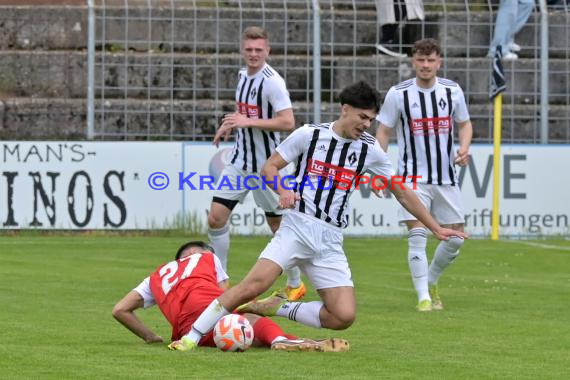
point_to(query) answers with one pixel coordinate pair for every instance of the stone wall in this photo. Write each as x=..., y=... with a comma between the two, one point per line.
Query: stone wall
x=43, y=67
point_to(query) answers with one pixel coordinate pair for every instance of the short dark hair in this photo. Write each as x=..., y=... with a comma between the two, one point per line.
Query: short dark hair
x=360, y=95
x=190, y=244
x=255, y=33
x=427, y=46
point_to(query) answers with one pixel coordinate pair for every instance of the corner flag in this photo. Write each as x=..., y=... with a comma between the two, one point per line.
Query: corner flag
x=498, y=76
x=497, y=87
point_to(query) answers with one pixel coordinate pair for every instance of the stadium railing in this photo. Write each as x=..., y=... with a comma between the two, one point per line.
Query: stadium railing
x=166, y=69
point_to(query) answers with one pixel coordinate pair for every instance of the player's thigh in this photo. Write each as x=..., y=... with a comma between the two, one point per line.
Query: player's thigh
x=260, y=278
x=424, y=193
x=447, y=206
x=340, y=302
x=263, y=273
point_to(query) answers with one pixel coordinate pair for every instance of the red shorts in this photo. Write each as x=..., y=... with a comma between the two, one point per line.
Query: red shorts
x=197, y=301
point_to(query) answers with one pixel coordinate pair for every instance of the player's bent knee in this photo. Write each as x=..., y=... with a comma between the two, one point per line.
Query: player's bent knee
x=340, y=324
x=215, y=221
x=347, y=320
x=340, y=321
x=455, y=242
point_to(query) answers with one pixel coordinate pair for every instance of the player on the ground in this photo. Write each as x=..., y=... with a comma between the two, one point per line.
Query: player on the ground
x=183, y=288
x=424, y=110
x=330, y=159
x=263, y=110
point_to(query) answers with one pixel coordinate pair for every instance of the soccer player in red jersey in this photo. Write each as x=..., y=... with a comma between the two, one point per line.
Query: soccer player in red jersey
x=183, y=288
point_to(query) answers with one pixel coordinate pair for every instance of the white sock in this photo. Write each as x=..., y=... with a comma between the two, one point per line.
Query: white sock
x=279, y=339
x=306, y=313
x=220, y=241
x=206, y=321
x=417, y=261
x=293, y=277
x=445, y=253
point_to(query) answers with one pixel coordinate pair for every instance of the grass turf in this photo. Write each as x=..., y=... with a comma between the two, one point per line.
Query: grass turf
x=506, y=316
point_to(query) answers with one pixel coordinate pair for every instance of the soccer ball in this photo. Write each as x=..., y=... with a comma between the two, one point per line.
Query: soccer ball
x=233, y=333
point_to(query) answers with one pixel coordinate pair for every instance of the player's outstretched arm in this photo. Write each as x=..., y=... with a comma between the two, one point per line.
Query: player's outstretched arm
x=410, y=201
x=124, y=312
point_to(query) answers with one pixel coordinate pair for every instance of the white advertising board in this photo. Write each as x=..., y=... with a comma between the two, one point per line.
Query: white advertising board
x=534, y=185
x=86, y=185
x=115, y=185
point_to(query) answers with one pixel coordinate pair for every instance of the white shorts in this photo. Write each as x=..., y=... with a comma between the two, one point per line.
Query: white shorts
x=314, y=246
x=266, y=199
x=442, y=201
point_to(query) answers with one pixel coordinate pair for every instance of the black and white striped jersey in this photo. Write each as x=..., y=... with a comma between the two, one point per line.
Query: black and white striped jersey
x=425, y=121
x=327, y=167
x=261, y=95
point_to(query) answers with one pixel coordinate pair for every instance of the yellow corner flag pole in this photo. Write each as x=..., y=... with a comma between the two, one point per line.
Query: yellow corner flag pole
x=497, y=124
x=497, y=87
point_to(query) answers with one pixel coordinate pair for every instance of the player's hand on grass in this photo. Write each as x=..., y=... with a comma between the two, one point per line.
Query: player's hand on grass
x=445, y=233
x=154, y=339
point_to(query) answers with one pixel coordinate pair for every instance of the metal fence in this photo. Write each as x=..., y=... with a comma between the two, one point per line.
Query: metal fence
x=166, y=69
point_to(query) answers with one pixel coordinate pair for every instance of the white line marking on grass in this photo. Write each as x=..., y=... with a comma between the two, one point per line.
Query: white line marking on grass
x=539, y=245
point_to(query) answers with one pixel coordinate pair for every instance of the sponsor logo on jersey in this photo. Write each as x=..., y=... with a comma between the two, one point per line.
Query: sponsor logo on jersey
x=251, y=111
x=429, y=125
x=339, y=174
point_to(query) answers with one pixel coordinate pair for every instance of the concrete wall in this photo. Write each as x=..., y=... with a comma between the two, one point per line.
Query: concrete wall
x=43, y=66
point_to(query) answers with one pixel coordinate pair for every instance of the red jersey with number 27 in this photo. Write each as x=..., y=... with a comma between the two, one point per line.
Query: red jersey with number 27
x=182, y=289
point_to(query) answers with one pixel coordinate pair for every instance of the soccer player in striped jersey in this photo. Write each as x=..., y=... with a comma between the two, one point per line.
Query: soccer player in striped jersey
x=330, y=159
x=263, y=110
x=425, y=111
x=184, y=287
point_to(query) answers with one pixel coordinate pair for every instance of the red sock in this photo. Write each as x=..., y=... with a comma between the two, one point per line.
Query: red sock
x=265, y=331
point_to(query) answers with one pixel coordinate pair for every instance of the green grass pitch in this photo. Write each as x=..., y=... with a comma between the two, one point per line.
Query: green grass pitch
x=507, y=314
